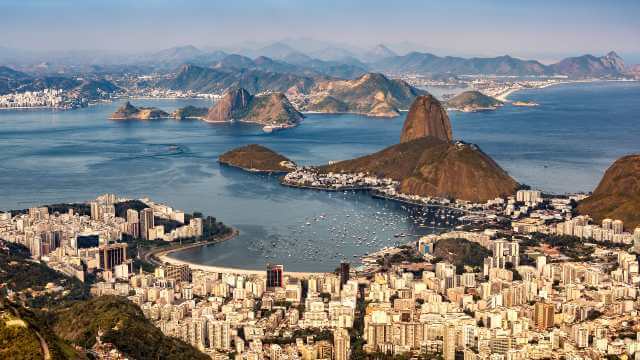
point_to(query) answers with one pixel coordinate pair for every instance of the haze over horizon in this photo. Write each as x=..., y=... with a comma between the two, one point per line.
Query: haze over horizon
x=546, y=30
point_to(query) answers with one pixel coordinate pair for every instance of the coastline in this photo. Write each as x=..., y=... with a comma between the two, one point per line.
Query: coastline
x=153, y=255
x=162, y=256
x=254, y=171
x=504, y=97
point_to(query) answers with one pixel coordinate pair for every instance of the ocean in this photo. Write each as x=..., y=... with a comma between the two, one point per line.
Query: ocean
x=563, y=145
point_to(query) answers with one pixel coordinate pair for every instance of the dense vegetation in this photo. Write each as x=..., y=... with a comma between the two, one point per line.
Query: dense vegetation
x=29, y=278
x=69, y=316
x=79, y=208
x=20, y=333
x=123, y=325
x=460, y=252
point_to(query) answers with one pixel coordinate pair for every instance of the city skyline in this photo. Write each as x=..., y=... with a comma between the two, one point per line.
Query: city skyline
x=545, y=31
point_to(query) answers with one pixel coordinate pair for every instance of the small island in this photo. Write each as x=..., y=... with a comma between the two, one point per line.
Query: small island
x=130, y=112
x=257, y=158
x=470, y=101
x=190, y=112
x=525, y=103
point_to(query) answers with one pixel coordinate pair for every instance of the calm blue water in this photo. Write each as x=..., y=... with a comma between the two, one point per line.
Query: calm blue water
x=45, y=157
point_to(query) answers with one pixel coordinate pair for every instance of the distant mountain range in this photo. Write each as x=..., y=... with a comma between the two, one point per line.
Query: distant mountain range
x=574, y=67
x=343, y=64
x=316, y=58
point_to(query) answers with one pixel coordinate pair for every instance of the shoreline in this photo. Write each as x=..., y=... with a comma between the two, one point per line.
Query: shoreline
x=504, y=97
x=153, y=255
x=160, y=256
x=254, y=171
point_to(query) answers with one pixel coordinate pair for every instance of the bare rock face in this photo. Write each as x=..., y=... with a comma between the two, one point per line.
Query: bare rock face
x=234, y=103
x=266, y=109
x=426, y=117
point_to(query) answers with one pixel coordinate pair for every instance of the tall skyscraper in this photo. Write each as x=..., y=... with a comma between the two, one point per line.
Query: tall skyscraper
x=111, y=255
x=341, y=344
x=449, y=342
x=543, y=313
x=133, y=223
x=274, y=275
x=344, y=273
x=146, y=222
x=95, y=211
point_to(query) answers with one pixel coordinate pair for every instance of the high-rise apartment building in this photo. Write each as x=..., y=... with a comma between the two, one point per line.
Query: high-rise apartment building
x=543, y=315
x=146, y=222
x=274, y=276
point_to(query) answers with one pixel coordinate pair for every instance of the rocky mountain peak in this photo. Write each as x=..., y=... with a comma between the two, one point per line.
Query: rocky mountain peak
x=426, y=117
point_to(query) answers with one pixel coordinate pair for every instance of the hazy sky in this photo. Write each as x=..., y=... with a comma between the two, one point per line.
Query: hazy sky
x=482, y=27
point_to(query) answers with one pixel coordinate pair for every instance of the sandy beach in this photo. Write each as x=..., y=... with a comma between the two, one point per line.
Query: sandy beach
x=163, y=257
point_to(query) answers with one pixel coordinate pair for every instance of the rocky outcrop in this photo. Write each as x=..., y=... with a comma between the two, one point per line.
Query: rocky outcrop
x=256, y=158
x=130, y=112
x=618, y=194
x=265, y=109
x=426, y=117
x=232, y=106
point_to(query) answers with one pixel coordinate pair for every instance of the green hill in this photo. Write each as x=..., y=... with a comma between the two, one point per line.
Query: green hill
x=123, y=325
x=67, y=316
x=460, y=252
x=25, y=335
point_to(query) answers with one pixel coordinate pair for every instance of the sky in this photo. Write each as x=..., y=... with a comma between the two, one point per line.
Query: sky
x=541, y=29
